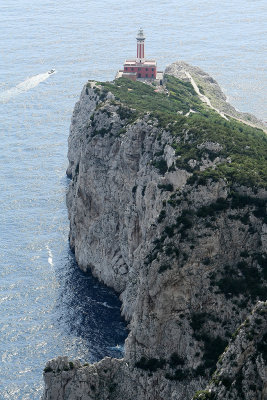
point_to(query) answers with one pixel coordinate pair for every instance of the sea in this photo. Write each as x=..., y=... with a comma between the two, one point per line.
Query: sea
x=48, y=307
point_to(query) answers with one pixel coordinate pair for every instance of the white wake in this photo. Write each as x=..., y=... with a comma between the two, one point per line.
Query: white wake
x=22, y=87
x=50, y=256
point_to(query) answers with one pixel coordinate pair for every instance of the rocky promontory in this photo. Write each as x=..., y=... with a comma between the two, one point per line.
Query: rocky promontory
x=167, y=205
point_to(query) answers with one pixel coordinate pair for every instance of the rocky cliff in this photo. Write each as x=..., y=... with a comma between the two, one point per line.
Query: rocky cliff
x=242, y=372
x=167, y=204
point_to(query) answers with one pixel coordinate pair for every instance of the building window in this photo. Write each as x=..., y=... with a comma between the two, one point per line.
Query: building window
x=146, y=75
x=146, y=69
x=152, y=69
x=139, y=75
x=139, y=69
x=126, y=69
x=132, y=68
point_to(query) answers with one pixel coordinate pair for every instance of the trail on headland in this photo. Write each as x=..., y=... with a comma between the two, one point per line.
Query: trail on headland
x=22, y=87
x=206, y=100
x=202, y=96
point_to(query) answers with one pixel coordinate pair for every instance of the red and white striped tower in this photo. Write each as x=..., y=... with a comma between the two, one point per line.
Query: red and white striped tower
x=140, y=46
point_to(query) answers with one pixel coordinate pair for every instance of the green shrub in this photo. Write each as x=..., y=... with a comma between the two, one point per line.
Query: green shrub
x=163, y=268
x=71, y=365
x=169, y=230
x=226, y=381
x=161, y=165
x=197, y=320
x=176, y=360
x=171, y=249
x=219, y=206
x=150, y=364
x=186, y=219
x=262, y=347
x=206, y=261
x=168, y=187
x=48, y=369
x=102, y=132
x=242, y=279
x=126, y=113
x=97, y=90
x=240, y=201
x=213, y=348
x=200, y=370
x=150, y=257
x=244, y=254
x=112, y=387
x=179, y=375
x=244, y=145
x=162, y=216
x=204, y=395
x=143, y=97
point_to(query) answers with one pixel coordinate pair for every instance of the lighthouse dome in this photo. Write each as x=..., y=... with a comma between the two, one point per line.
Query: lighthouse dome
x=140, y=34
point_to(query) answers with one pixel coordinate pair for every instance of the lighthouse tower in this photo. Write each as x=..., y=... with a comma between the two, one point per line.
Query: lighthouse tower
x=139, y=68
x=140, y=46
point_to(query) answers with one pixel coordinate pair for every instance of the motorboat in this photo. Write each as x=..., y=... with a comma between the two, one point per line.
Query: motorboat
x=51, y=71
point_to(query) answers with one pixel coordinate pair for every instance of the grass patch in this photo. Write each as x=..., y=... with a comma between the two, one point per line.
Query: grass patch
x=243, y=149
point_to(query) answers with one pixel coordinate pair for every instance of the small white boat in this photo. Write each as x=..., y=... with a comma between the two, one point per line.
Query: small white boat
x=51, y=71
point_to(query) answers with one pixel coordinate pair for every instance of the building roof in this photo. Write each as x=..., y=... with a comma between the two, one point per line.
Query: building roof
x=129, y=73
x=132, y=62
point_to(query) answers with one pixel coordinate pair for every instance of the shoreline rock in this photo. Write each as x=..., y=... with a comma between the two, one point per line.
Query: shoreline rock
x=165, y=243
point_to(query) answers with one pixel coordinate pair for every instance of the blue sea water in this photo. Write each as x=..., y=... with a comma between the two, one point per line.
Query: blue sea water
x=47, y=306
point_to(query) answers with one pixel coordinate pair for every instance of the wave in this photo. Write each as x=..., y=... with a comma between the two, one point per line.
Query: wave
x=118, y=348
x=105, y=304
x=24, y=86
x=50, y=256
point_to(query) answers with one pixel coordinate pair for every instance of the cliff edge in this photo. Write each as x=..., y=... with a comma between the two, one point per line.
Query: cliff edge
x=167, y=204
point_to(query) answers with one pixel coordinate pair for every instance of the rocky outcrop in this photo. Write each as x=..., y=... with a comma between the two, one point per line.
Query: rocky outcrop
x=71, y=380
x=186, y=256
x=209, y=87
x=242, y=368
x=241, y=372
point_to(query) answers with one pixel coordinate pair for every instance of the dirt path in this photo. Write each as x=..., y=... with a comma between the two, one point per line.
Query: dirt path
x=207, y=101
x=202, y=96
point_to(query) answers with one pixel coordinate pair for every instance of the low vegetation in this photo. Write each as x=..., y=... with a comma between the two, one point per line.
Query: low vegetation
x=242, y=155
x=150, y=364
x=204, y=395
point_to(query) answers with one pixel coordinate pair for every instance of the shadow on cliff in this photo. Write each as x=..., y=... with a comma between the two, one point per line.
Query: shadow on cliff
x=90, y=311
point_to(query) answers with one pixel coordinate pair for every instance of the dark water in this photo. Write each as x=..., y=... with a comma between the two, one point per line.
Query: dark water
x=89, y=311
x=48, y=307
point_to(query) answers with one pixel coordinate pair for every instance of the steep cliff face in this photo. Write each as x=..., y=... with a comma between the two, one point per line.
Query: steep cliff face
x=241, y=372
x=167, y=204
x=242, y=368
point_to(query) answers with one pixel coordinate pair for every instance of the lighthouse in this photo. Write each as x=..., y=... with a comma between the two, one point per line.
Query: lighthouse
x=140, y=68
x=140, y=46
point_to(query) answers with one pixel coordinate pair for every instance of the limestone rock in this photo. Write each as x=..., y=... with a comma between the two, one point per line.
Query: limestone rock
x=212, y=90
x=242, y=368
x=187, y=262
x=66, y=380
